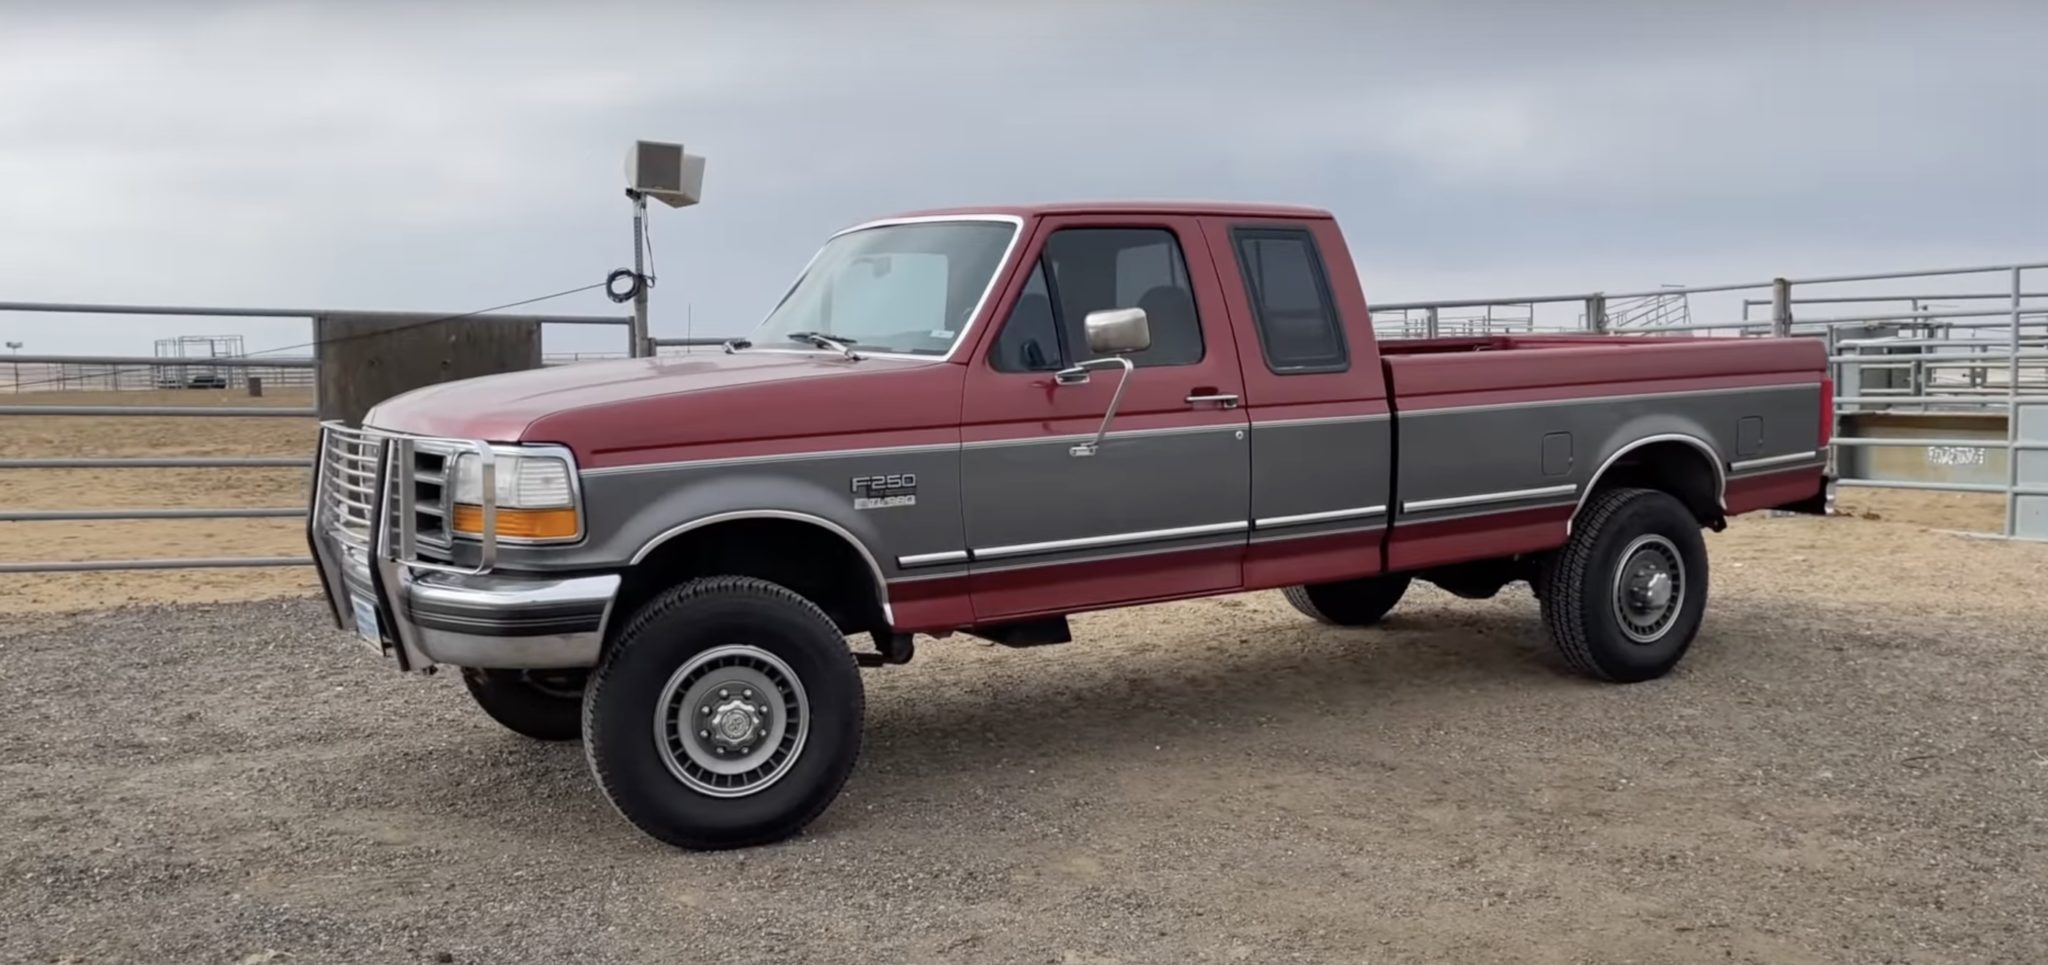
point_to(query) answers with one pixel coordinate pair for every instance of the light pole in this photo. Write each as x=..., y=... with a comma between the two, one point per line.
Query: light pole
x=14, y=348
x=667, y=173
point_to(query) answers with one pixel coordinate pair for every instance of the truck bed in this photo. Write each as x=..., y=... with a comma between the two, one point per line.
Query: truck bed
x=1421, y=372
x=1498, y=437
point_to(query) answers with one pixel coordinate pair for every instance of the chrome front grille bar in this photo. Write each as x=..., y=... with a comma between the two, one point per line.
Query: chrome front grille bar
x=369, y=477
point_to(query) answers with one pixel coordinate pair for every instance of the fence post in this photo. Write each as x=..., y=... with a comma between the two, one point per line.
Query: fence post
x=1781, y=307
x=1596, y=313
x=1429, y=326
x=364, y=359
x=2012, y=412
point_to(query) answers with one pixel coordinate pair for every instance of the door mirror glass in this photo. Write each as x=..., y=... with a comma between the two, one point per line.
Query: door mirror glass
x=1118, y=331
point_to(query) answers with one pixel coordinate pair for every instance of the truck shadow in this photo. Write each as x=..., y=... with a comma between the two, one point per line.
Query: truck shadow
x=940, y=729
x=927, y=722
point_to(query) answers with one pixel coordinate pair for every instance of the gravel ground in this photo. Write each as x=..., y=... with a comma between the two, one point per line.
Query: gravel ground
x=1849, y=768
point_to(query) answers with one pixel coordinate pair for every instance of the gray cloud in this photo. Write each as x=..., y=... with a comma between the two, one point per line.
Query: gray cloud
x=455, y=155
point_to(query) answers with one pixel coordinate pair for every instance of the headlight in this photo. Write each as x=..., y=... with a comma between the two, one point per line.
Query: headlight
x=534, y=497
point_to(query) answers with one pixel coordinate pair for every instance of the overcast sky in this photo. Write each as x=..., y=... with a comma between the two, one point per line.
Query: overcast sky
x=445, y=157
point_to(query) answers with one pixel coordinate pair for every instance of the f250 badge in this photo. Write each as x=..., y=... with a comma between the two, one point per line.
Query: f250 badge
x=883, y=492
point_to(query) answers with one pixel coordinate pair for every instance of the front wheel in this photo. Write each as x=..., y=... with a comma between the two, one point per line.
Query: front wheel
x=546, y=705
x=727, y=713
x=1625, y=595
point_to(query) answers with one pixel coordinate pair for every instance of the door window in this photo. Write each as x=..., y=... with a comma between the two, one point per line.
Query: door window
x=1084, y=270
x=1030, y=340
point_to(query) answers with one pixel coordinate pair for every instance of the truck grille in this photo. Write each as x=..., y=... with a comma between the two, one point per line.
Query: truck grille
x=350, y=497
x=430, y=496
x=350, y=500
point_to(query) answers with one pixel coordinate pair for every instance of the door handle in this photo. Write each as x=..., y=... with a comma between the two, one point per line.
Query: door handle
x=1227, y=400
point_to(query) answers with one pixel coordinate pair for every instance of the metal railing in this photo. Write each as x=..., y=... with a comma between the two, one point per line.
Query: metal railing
x=1957, y=359
x=1950, y=357
x=130, y=373
x=114, y=369
x=1650, y=311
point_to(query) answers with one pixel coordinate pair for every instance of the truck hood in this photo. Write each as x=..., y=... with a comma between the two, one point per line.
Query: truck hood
x=632, y=404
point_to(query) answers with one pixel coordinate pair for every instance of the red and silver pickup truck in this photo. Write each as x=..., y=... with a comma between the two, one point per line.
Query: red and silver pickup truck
x=981, y=421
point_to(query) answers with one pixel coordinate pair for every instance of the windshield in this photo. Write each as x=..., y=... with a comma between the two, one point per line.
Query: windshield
x=903, y=288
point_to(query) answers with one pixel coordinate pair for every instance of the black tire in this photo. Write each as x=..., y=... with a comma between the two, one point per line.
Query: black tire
x=668, y=652
x=1349, y=603
x=1609, y=622
x=545, y=705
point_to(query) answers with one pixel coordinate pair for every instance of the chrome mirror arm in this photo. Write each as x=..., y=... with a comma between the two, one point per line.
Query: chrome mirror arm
x=1078, y=375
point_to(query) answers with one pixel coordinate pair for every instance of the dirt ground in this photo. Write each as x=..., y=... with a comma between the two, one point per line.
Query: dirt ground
x=1852, y=766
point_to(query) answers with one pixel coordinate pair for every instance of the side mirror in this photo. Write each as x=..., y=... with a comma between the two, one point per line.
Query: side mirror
x=1118, y=331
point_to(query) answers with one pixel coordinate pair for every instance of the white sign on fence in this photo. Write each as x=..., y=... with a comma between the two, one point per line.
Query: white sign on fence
x=1955, y=455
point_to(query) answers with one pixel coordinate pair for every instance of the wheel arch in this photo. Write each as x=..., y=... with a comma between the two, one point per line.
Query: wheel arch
x=781, y=545
x=1651, y=461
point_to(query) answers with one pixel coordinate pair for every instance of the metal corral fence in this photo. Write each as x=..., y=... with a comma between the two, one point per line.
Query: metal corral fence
x=114, y=373
x=1970, y=366
x=121, y=372
x=1924, y=367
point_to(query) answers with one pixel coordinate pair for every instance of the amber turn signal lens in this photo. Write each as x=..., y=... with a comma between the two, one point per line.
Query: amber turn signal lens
x=517, y=523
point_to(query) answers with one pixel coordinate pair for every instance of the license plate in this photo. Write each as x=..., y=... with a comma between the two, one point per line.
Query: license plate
x=366, y=621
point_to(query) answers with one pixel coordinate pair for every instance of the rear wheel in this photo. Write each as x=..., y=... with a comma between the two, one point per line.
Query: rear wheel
x=1624, y=598
x=1349, y=603
x=542, y=704
x=727, y=713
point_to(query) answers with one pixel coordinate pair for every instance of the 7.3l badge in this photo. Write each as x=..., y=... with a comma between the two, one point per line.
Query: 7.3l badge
x=884, y=491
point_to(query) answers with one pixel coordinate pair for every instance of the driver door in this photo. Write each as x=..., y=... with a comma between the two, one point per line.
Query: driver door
x=1159, y=510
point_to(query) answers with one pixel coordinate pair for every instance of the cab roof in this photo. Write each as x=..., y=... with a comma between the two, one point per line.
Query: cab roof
x=1225, y=209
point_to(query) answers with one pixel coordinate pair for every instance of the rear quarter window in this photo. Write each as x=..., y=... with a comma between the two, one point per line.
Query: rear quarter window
x=1289, y=292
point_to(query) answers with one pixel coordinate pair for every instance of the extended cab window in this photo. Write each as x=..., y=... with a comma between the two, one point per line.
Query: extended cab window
x=1290, y=297
x=1090, y=269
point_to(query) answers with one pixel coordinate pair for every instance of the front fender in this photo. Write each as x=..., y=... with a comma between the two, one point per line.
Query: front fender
x=629, y=512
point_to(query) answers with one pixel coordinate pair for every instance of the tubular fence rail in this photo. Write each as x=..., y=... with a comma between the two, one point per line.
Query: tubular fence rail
x=1889, y=352
x=1894, y=348
x=31, y=373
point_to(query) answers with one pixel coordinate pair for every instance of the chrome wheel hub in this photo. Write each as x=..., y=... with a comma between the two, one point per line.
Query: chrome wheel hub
x=1649, y=588
x=736, y=724
x=731, y=721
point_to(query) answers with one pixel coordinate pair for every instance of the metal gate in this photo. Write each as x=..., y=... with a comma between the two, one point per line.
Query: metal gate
x=120, y=372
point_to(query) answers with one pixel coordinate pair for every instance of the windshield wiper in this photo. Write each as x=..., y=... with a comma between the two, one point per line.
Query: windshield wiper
x=820, y=339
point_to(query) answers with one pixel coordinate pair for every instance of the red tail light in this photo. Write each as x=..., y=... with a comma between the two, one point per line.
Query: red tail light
x=1827, y=411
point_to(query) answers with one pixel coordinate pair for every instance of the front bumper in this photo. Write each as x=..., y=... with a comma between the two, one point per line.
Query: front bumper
x=516, y=621
x=425, y=612
x=504, y=620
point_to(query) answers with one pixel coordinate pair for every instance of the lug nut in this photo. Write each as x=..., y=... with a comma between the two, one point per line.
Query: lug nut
x=707, y=710
x=747, y=693
x=704, y=734
x=722, y=692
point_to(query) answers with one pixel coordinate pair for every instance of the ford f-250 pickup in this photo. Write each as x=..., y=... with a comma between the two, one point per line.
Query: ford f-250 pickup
x=984, y=420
